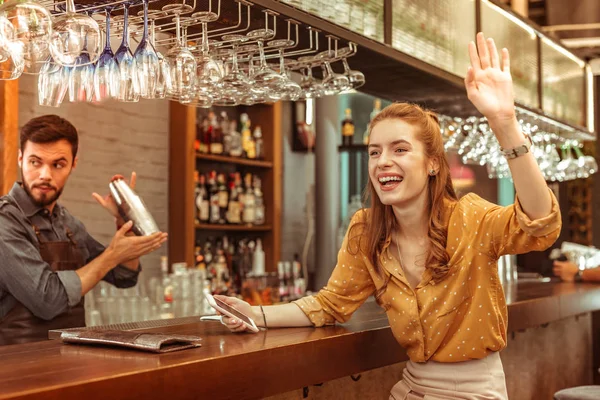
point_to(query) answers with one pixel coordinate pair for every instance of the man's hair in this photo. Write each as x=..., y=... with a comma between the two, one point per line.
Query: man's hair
x=49, y=129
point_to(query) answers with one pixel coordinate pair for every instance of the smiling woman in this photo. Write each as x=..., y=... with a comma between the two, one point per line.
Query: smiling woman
x=429, y=259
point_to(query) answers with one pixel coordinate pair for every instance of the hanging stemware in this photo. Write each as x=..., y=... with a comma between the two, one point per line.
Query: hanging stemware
x=181, y=61
x=264, y=76
x=129, y=88
x=288, y=89
x=106, y=73
x=32, y=25
x=235, y=85
x=7, y=36
x=147, y=65
x=75, y=39
x=163, y=78
x=208, y=72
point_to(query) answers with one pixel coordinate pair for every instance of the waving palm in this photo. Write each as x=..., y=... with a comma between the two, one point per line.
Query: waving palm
x=488, y=82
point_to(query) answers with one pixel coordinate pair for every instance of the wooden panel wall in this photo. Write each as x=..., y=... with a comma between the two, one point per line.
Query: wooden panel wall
x=9, y=133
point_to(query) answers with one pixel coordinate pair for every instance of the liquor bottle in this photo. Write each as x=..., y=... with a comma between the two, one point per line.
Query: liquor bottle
x=207, y=134
x=234, y=208
x=226, y=129
x=347, y=128
x=202, y=201
x=258, y=143
x=165, y=297
x=235, y=145
x=249, y=209
x=259, y=205
x=196, y=199
x=223, y=195
x=376, y=110
x=215, y=211
x=199, y=257
x=246, y=133
x=216, y=136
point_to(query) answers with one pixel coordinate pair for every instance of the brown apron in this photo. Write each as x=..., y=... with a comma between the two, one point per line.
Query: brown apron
x=20, y=325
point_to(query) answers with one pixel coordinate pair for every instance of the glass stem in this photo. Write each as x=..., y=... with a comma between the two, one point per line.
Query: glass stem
x=107, y=47
x=281, y=66
x=328, y=68
x=70, y=7
x=177, y=30
x=152, y=34
x=145, y=35
x=261, y=52
x=126, y=25
x=234, y=59
x=204, y=38
x=346, y=66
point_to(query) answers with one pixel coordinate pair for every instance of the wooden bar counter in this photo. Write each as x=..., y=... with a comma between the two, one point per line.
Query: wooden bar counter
x=270, y=363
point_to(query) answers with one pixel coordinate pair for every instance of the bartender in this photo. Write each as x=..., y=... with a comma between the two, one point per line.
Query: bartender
x=570, y=272
x=48, y=260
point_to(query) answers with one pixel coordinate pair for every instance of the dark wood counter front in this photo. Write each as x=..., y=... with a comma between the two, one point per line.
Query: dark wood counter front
x=233, y=366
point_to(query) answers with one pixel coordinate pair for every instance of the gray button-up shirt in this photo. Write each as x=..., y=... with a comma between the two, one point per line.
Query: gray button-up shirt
x=24, y=276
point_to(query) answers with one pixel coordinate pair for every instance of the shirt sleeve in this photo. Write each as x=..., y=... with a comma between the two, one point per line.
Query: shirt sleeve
x=28, y=278
x=348, y=288
x=511, y=231
x=120, y=276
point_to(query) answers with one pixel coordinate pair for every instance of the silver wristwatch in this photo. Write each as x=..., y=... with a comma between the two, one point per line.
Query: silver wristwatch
x=519, y=150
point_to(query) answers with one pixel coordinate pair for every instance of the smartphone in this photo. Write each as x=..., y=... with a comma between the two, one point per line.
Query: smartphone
x=226, y=309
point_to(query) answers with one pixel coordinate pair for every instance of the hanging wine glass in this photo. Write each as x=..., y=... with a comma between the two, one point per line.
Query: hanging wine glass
x=256, y=94
x=288, y=89
x=129, y=89
x=181, y=61
x=234, y=85
x=146, y=60
x=163, y=78
x=7, y=35
x=53, y=83
x=264, y=76
x=75, y=38
x=356, y=78
x=311, y=88
x=333, y=83
x=208, y=72
x=106, y=73
x=13, y=66
x=32, y=25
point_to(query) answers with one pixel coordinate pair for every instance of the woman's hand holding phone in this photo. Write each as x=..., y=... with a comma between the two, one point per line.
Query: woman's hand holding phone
x=235, y=324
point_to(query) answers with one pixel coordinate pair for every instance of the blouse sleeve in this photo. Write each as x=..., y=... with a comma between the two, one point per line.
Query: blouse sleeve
x=348, y=287
x=510, y=231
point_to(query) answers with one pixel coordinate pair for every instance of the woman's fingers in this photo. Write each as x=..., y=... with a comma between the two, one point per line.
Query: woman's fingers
x=505, y=60
x=482, y=49
x=495, y=62
x=233, y=324
x=474, y=57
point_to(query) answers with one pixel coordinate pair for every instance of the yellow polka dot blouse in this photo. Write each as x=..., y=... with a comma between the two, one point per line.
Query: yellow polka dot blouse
x=461, y=317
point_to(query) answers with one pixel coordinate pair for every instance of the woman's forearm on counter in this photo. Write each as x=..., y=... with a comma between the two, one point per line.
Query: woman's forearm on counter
x=281, y=316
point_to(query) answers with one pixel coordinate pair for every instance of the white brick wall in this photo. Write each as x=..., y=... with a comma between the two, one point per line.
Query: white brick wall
x=114, y=138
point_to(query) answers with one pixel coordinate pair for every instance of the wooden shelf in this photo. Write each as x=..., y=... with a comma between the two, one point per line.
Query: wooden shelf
x=235, y=160
x=236, y=228
x=353, y=148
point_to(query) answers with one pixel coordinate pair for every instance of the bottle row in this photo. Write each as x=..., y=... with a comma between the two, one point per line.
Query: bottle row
x=219, y=135
x=227, y=201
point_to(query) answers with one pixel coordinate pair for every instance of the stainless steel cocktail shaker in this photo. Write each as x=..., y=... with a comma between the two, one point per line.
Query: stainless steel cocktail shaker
x=131, y=207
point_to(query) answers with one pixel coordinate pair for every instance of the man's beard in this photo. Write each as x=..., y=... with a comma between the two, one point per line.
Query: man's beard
x=46, y=198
